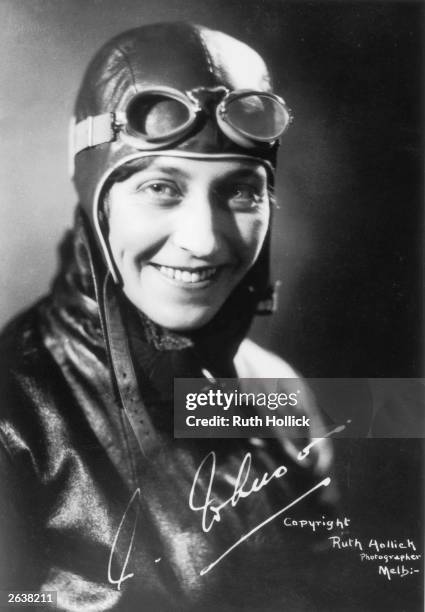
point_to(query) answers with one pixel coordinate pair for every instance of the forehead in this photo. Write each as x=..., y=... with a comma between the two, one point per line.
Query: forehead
x=193, y=169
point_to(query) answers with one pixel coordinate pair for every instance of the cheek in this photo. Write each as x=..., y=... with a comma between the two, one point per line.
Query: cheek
x=134, y=238
x=252, y=231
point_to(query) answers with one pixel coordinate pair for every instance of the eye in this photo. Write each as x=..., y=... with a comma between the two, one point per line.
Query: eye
x=243, y=196
x=159, y=192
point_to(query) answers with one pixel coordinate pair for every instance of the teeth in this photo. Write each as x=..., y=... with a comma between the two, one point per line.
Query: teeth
x=185, y=276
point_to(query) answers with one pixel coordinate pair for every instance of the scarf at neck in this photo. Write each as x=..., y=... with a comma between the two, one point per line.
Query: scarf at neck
x=134, y=342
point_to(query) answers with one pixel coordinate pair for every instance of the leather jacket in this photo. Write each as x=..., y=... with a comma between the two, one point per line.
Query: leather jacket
x=96, y=491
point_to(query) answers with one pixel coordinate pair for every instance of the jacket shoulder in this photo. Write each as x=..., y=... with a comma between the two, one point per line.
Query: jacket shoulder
x=253, y=361
x=27, y=370
x=20, y=340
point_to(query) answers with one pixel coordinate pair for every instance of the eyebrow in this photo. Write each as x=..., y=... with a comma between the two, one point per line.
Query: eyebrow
x=169, y=168
x=245, y=173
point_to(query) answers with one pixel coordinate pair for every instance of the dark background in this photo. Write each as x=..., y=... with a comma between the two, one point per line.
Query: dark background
x=352, y=186
x=347, y=240
x=347, y=236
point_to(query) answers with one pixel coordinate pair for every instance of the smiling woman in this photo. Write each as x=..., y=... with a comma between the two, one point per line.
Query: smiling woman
x=183, y=233
x=168, y=262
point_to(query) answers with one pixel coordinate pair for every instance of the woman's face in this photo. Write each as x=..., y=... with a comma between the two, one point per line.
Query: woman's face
x=184, y=232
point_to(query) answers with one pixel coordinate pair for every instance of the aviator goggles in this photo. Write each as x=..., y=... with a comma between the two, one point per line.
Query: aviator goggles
x=162, y=116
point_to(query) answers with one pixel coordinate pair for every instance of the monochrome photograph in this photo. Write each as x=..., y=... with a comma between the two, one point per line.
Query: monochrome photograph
x=212, y=349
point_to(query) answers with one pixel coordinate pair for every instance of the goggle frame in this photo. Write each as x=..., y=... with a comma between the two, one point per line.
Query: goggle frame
x=108, y=127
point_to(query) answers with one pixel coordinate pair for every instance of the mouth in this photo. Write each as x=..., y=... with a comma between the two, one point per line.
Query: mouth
x=189, y=276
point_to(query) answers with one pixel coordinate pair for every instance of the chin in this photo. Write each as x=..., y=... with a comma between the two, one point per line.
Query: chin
x=187, y=322
x=171, y=314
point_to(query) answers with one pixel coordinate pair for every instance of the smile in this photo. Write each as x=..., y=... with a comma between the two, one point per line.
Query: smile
x=187, y=276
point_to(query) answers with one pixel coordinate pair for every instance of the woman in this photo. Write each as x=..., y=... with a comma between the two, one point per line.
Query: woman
x=175, y=139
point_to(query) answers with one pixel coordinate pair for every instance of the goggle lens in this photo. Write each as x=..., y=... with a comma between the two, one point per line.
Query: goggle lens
x=259, y=117
x=157, y=117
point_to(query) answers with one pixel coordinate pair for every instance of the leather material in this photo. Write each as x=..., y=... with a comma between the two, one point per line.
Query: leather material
x=71, y=464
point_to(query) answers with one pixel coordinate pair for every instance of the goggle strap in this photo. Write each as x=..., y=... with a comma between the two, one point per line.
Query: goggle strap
x=93, y=131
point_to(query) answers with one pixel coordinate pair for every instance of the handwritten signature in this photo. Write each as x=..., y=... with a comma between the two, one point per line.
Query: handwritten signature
x=134, y=501
x=210, y=511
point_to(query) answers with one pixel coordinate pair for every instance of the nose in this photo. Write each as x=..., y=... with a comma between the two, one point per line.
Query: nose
x=197, y=226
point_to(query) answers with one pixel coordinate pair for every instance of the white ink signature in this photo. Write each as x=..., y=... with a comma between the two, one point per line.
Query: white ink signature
x=212, y=513
x=306, y=450
x=134, y=498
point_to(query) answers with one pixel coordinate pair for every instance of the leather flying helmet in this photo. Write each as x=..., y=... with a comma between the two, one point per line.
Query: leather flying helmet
x=174, y=89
